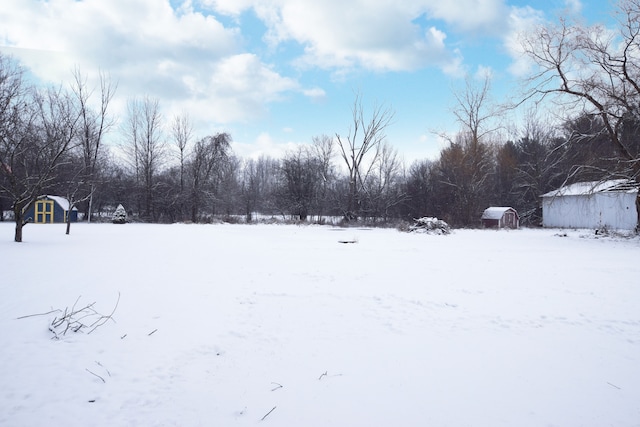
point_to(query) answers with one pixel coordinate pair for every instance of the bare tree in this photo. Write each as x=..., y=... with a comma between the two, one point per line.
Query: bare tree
x=258, y=181
x=145, y=147
x=182, y=132
x=465, y=168
x=301, y=179
x=323, y=147
x=385, y=191
x=250, y=188
x=208, y=157
x=420, y=189
x=474, y=111
x=38, y=133
x=360, y=148
x=93, y=124
x=593, y=70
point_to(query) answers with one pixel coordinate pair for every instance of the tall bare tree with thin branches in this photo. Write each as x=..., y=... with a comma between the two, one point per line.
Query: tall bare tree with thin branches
x=182, y=132
x=94, y=123
x=145, y=147
x=360, y=148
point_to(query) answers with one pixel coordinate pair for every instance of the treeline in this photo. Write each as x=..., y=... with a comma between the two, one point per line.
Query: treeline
x=52, y=142
x=313, y=181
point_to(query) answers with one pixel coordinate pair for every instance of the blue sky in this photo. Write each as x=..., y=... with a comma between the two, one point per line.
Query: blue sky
x=276, y=73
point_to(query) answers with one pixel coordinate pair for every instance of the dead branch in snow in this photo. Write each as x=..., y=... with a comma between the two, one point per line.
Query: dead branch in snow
x=277, y=386
x=267, y=414
x=94, y=374
x=103, y=319
x=76, y=319
x=102, y=366
x=326, y=374
x=37, y=314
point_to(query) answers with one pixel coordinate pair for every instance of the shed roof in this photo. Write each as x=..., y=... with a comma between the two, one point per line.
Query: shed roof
x=63, y=202
x=592, y=187
x=496, y=212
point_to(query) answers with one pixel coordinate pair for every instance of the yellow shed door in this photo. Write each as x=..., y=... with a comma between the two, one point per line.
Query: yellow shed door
x=44, y=211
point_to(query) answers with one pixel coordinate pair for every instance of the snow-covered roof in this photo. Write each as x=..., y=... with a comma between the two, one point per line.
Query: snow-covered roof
x=63, y=202
x=592, y=187
x=495, y=212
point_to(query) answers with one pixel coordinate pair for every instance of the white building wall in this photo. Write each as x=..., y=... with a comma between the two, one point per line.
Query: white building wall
x=614, y=210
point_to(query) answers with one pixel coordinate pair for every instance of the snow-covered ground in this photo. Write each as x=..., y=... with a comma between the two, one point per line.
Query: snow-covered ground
x=224, y=325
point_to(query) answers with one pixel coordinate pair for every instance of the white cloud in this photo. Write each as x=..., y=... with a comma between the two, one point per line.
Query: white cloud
x=484, y=72
x=470, y=15
x=385, y=35
x=189, y=60
x=316, y=94
x=244, y=84
x=264, y=145
x=573, y=6
x=116, y=34
x=228, y=7
x=521, y=21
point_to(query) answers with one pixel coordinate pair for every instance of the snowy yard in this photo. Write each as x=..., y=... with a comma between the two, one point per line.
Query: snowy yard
x=224, y=325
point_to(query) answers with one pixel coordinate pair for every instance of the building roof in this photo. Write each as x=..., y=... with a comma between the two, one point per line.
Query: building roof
x=63, y=202
x=592, y=187
x=496, y=212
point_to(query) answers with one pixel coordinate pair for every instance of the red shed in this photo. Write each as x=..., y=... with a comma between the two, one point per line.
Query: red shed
x=500, y=217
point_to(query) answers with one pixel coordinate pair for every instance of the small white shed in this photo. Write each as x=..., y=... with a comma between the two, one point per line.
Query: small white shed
x=593, y=204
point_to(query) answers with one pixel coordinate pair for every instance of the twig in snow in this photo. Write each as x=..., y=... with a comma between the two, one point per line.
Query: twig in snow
x=323, y=375
x=278, y=385
x=76, y=319
x=613, y=385
x=38, y=314
x=152, y=332
x=267, y=414
x=104, y=319
x=100, y=364
x=93, y=373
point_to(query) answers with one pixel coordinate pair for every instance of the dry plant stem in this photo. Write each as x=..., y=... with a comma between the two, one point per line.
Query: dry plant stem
x=73, y=319
x=104, y=319
x=267, y=414
x=100, y=364
x=38, y=314
x=94, y=374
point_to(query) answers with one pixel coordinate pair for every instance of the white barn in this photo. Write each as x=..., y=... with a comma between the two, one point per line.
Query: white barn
x=595, y=204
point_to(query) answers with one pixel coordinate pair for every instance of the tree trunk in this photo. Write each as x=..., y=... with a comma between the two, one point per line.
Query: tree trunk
x=18, y=236
x=90, y=205
x=19, y=218
x=638, y=211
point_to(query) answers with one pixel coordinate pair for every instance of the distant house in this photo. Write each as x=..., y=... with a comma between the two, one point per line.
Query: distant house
x=500, y=217
x=594, y=204
x=50, y=209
